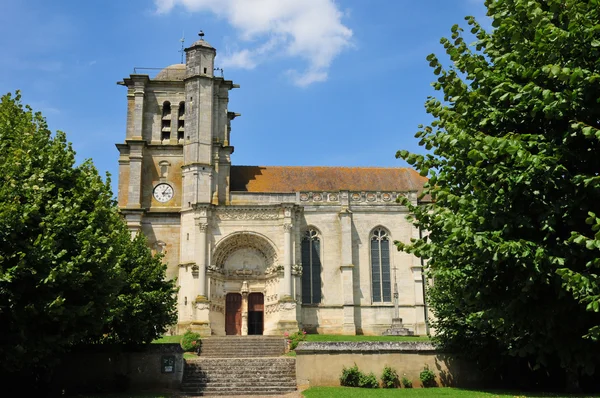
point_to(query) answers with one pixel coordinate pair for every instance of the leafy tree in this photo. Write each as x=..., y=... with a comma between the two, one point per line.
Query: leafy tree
x=513, y=241
x=147, y=303
x=69, y=271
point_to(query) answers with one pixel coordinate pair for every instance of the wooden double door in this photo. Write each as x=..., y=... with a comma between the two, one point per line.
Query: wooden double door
x=233, y=314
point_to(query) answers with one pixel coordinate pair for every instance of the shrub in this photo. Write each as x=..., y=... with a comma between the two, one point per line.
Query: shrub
x=350, y=376
x=190, y=341
x=367, y=381
x=427, y=377
x=389, y=378
x=406, y=383
x=295, y=338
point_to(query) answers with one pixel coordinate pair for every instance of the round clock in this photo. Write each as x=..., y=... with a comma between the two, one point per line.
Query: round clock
x=163, y=192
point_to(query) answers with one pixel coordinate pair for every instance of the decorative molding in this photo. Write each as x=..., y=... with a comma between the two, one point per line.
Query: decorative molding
x=247, y=214
x=203, y=226
x=287, y=227
x=280, y=306
x=362, y=197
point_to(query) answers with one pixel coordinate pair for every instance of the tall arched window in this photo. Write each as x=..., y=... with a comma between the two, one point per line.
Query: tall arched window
x=311, y=267
x=380, y=266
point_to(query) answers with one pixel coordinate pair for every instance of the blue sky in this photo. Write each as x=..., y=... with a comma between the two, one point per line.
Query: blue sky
x=323, y=82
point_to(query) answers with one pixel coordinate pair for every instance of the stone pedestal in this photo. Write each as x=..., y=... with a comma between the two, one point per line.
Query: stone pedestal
x=201, y=322
x=397, y=329
x=287, y=316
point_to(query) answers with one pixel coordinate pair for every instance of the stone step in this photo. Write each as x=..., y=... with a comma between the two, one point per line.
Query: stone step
x=240, y=383
x=218, y=378
x=239, y=390
x=248, y=372
x=200, y=360
x=240, y=365
x=238, y=354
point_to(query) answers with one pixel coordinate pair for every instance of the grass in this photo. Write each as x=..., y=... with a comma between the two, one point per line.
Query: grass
x=318, y=337
x=168, y=340
x=332, y=337
x=342, y=392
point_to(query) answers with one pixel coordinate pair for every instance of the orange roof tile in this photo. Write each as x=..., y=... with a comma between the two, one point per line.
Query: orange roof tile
x=300, y=178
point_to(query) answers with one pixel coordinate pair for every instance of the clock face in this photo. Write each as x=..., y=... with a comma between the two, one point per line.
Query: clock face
x=163, y=192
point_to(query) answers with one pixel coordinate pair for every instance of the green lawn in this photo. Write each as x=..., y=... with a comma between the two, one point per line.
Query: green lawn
x=168, y=339
x=319, y=337
x=331, y=337
x=342, y=392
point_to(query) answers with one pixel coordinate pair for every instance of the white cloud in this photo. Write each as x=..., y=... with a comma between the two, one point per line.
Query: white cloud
x=307, y=29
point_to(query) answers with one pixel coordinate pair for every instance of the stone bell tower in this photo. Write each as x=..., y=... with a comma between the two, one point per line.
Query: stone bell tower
x=205, y=173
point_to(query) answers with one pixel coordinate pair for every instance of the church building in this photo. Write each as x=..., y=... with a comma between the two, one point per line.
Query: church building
x=261, y=249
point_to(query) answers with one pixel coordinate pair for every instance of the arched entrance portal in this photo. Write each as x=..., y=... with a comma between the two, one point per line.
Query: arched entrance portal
x=244, y=280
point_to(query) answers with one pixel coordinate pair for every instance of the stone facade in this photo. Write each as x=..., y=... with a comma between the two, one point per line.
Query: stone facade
x=240, y=238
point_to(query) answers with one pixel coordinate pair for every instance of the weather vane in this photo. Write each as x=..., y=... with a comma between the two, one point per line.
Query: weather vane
x=182, y=40
x=201, y=34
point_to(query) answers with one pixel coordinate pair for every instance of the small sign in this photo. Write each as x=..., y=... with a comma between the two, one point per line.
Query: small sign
x=167, y=364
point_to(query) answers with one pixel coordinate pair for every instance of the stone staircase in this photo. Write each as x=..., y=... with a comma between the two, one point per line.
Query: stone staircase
x=242, y=346
x=240, y=365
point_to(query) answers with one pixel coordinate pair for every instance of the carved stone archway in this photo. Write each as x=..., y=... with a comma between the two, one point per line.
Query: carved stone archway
x=245, y=254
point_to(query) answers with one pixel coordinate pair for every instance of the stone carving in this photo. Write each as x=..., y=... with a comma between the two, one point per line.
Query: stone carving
x=213, y=268
x=303, y=197
x=217, y=308
x=273, y=269
x=203, y=226
x=277, y=307
x=386, y=197
x=287, y=227
x=356, y=196
x=231, y=214
x=204, y=305
x=297, y=269
x=243, y=247
x=371, y=197
x=287, y=212
x=333, y=197
x=317, y=197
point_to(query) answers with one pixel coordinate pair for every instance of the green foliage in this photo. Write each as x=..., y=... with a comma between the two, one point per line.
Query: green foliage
x=69, y=272
x=146, y=305
x=389, y=378
x=190, y=341
x=350, y=376
x=513, y=241
x=406, y=383
x=427, y=377
x=295, y=338
x=368, y=381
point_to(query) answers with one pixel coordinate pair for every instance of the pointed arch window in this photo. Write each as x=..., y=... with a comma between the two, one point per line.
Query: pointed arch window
x=381, y=286
x=311, y=267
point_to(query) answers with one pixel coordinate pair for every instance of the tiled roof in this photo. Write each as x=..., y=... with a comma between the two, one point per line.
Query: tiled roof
x=296, y=179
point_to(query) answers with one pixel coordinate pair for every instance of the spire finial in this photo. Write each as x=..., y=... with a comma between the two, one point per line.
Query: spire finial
x=201, y=34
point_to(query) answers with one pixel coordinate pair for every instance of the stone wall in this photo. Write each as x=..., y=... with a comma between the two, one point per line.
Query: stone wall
x=113, y=368
x=321, y=363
